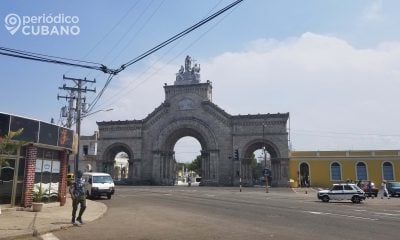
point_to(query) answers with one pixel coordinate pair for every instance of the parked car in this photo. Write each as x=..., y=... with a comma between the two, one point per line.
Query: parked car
x=345, y=191
x=364, y=186
x=98, y=184
x=393, y=188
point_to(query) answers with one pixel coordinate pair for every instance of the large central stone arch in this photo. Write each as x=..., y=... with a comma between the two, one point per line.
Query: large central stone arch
x=188, y=110
x=163, y=149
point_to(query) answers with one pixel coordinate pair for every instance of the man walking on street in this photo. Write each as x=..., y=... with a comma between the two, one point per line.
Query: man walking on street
x=384, y=190
x=77, y=191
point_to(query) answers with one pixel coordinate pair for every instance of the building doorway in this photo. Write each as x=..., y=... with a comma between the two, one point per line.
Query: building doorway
x=11, y=180
x=304, y=175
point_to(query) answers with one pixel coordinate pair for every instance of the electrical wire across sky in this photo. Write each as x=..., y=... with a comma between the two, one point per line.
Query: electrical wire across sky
x=101, y=67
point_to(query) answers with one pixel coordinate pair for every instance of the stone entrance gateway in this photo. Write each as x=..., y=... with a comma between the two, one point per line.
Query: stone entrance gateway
x=188, y=110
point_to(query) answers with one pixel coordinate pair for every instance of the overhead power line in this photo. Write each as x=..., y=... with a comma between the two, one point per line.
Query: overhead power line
x=161, y=45
x=179, y=35
x=101, y=67
x=55, y=60
x=128, y=88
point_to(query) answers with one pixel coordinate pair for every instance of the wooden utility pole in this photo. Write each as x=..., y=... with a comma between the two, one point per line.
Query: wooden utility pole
x=76, y=102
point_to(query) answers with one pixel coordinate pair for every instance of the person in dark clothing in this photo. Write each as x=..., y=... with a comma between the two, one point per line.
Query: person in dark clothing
x=369, y=188
x=77, y=191
x=189, y=180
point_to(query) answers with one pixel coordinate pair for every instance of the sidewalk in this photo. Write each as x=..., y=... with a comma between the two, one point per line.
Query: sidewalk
x=15, y=223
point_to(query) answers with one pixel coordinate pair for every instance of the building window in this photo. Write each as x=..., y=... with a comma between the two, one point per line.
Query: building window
x=388, y=171
x=336, y=172
x=85, y=149
x=361, y=171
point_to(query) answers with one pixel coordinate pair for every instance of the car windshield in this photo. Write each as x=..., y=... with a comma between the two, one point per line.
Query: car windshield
x=395, y=184
x=102, y=179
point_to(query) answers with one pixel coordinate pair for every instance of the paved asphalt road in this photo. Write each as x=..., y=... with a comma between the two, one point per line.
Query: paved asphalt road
x=225, y=213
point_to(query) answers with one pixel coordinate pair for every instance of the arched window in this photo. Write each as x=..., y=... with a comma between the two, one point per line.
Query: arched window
x=361, y=171
x=336, y=172
x=387, y=171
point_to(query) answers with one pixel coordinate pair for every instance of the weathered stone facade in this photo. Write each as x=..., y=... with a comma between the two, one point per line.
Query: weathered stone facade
x=188, y=110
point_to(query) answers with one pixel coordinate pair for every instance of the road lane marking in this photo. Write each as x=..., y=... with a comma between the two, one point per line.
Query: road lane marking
x=341, y=215
x=387, y=214
x=49, y=236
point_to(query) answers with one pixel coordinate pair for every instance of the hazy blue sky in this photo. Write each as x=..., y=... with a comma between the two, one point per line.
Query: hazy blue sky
x=332, y=64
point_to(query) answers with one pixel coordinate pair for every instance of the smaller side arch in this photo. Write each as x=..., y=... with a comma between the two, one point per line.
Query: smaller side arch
x=255, y=144
x=108, y=157
x=278, y=166
x=115, y=148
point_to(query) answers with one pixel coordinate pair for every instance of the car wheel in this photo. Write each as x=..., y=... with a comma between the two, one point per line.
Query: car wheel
x=356, y=199
x=325, y=198
x=108, y=196
x=376, y=194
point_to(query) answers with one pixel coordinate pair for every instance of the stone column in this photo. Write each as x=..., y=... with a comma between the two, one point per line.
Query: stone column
x=280, y=175
x=156, y=167
x=162, y=168
x=284, y=167
x=29, y=179
x=168, y=168
x=205, y=165
x=213, y=158
x=275, y=171
x=62, y=186
x=130, y=170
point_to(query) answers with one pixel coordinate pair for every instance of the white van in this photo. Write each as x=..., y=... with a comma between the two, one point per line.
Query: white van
x=98, y=184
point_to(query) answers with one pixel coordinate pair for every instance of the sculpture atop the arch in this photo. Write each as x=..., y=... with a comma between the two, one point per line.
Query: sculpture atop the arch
x=189, y=74
x=188, y=110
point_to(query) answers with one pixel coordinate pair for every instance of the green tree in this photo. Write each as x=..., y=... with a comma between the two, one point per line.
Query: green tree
x=256, y=167
x=8, y=146
x=195, y=166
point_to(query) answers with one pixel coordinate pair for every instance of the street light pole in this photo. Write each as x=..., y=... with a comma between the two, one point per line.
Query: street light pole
x=240, y=175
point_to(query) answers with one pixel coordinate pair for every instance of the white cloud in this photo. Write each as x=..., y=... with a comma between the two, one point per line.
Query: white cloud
x=325, y=83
